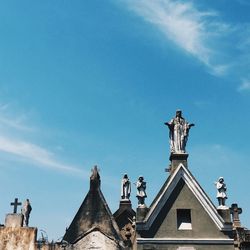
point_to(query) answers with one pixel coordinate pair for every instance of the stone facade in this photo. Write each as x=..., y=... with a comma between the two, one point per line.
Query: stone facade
x=183, y=216
x=95, y=240
x=14, y=220
x=18, y=238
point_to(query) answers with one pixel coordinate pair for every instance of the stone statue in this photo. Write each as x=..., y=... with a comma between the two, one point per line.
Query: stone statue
x=26, y=209
x=125, y=187
x=141, y=193
x=178, y=133
x=221, y=191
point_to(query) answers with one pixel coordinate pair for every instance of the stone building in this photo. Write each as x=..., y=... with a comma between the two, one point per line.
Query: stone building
x=94, y=226
x=181, y=216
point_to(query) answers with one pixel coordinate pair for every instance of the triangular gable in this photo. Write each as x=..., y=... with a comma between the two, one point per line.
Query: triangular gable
x=167, y=189
x=93, y=213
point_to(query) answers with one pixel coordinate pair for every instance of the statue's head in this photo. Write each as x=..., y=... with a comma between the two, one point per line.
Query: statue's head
x=178, y=113
x=140, y=178
x=125, y=176
x=221, y=179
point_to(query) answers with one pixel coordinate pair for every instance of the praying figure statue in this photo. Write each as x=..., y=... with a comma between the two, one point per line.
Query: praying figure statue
x=125, y=187
x=221, y=191
x=26, y=209
x=178, y=133
x=141, y=193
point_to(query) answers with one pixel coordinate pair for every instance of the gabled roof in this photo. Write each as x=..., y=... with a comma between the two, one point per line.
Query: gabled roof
x=182, y=173
x=93, y=214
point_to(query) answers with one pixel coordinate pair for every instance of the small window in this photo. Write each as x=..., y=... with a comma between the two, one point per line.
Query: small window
x=184, y=219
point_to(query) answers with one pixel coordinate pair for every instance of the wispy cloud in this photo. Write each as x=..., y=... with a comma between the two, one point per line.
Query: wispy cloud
x=245, y=86
x=35, y=154
x=190, y=29
x=222, y=46
x=14, y=123
x=11, y=120
x=16, y=141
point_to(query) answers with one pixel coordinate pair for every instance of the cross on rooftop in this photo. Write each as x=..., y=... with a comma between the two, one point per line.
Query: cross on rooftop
x=235, y=211
x=15, y=204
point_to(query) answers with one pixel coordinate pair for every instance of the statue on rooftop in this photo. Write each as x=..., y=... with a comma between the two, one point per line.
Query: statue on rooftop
x=125, y=187
x=141, y=193
x=178, y=133
x=95, y=180
x=26, y=209
x=221, y=191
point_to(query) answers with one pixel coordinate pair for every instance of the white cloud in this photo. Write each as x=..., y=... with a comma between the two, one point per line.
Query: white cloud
x=189, y=28
x=35, y=155
x=16, y=141
x=219, y=70
x=11, y=120
x=245, y=85
x=14, y=123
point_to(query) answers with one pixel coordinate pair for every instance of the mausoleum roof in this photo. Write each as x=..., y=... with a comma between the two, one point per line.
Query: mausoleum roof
x=93, y=214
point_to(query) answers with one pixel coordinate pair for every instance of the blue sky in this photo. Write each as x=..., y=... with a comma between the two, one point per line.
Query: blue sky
x=92, y=82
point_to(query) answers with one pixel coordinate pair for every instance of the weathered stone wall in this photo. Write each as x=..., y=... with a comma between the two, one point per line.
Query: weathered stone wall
x=176, y=247
x=94, y=240
x=50, y=246
x=17, y=238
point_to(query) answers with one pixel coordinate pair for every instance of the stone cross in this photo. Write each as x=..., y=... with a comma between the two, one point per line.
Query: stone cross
x=15, y=204
x=235, y=211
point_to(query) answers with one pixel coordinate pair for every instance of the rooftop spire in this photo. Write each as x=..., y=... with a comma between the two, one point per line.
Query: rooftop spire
x=95, y=180
x=93, y=215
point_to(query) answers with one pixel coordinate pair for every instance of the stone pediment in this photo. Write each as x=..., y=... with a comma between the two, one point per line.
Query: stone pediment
x=181, y=176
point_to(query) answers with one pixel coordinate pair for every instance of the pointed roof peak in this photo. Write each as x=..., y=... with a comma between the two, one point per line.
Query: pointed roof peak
x=168, y=188
x=95, y=180
x=93, y=214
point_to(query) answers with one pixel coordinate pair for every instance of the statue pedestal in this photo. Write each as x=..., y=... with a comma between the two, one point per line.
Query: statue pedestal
x=141, y=213
x=176, y=159
x=224, y=212
x=14, y=220
x=125, y=204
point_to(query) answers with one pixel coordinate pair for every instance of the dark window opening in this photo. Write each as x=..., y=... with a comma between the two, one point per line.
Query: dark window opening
x=184, y=219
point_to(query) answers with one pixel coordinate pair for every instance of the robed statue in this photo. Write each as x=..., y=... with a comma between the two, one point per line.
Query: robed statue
x=125, y=187
x=178, y=133
x=141, y=191
x=26, y=209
